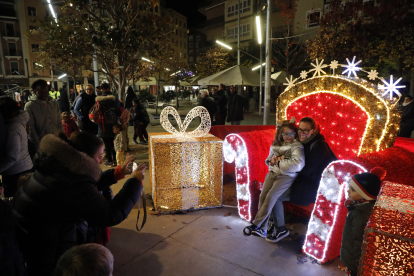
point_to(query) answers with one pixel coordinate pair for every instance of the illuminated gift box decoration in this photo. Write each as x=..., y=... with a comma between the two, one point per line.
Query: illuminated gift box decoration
x=185, y=167
x=388, y=247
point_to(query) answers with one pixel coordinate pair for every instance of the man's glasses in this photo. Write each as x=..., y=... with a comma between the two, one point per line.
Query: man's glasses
x=288, y=134
x=306, y=131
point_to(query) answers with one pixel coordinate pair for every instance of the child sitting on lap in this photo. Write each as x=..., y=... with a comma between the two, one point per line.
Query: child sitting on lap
x=363, y=192
x=285, y=160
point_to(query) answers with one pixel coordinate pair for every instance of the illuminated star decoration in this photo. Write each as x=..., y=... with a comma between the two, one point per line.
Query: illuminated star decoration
x=334, y=65
x=303, y=74
x=290, y=82
x=352, y=67
x=373, y=74
x=318, y=68
x=391, y=87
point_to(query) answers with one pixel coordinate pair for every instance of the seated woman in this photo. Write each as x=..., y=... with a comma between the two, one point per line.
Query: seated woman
x=303, y=191
x=63, y=195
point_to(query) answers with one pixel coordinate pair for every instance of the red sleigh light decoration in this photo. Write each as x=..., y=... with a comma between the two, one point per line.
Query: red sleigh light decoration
x=356, y=117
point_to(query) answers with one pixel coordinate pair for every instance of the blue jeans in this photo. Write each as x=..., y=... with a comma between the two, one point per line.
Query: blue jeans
x=277, y=211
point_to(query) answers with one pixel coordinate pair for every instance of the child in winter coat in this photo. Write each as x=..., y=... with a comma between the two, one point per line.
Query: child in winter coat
x=285, y=160
x=69, y=125
x=119, y=143
x=363, y=191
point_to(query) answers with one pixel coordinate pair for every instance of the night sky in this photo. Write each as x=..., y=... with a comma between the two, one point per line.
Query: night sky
x=189, y=9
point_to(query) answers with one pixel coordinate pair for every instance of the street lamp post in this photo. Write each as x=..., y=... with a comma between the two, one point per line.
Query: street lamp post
x=259, y=40
x=268, y=64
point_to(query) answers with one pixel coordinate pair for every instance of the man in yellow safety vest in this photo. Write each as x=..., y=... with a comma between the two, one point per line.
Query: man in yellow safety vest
x=54, y=94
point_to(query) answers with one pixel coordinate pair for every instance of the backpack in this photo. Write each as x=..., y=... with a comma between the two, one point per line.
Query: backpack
x=109, y=115
x=95, y=114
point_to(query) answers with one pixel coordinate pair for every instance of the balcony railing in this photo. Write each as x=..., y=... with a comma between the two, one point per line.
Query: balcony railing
x=15, y=72
x=10, y=33
x=13, y=53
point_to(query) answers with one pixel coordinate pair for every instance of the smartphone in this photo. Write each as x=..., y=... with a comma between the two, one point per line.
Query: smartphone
x=135, y=165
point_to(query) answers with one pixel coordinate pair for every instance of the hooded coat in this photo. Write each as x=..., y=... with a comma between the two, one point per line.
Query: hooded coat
x=221, y=102
x=16, y=158
x=353, y=234
x=44, y=118
x=317, y=157
x=60, y=196
x=294, y=158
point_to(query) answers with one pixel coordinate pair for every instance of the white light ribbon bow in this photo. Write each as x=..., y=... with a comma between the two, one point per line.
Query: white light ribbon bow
x=198, y=111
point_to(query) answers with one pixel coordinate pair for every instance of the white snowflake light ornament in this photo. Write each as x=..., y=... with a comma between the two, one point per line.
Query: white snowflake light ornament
x=318, y=68
x=334, y=65
x=391, y=87
x=303, y=74
x=373, y=74
x=290, y=82
x=352, y=67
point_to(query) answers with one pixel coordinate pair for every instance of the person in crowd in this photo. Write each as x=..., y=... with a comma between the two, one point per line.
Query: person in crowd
x=86, y=260
x=124, y=120
x=363, y=192
x=44, y=113
x=69, y=125
x=285, y=160
x=303, y=191
x=407, y=117
x=82, y=107
x=63, y=196
x=235, y=109
x=111, y=114
x=213, y=92
x=26, y=95
x=141, y=121
x=15, y=159
x=11, y=261
x=73, y=95
x=130, y=96
x=98, y=91
x=106, y=91
x=120, y=143
x=54, y=94
x=221, y=102
x=208, y=103
x=64, y=99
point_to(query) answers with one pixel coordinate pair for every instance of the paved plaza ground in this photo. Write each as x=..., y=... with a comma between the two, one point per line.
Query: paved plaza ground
x=206, y=242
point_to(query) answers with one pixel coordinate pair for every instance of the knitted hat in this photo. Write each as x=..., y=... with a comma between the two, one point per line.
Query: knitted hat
x=368, y=185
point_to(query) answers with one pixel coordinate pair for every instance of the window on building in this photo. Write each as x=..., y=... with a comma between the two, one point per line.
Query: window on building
x=35, y=48
x=14, y=67
x=245, y=6
x=312, y=18
x=31, y=11
x=190, y=38
x=191, y=52
x=12, y=49
x=10, y=29
x=198, y=38
x=190, y=59
x=190, y=45
x=233, y=31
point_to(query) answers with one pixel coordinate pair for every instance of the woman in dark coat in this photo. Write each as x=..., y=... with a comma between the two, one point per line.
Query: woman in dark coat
x=130, y=96
x=407, y=117
x=82, y=107
x=63, y=195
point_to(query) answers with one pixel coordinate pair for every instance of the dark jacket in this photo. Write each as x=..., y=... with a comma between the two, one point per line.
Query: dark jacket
x=235, y=111
x=305, y=186
x=73, y=97
x=221, y=102
x=11, y=262
x=353, y=234
x=407, y=116
x=141, y=115
x=82, y=108
x=210, y=105
x=60, y=196
x=128, y=100
x=107, y=101
x=64, y=100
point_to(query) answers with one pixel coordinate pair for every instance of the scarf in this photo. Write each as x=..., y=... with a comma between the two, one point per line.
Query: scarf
x=307, y=140
x=350, y=203
x=405, y=104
